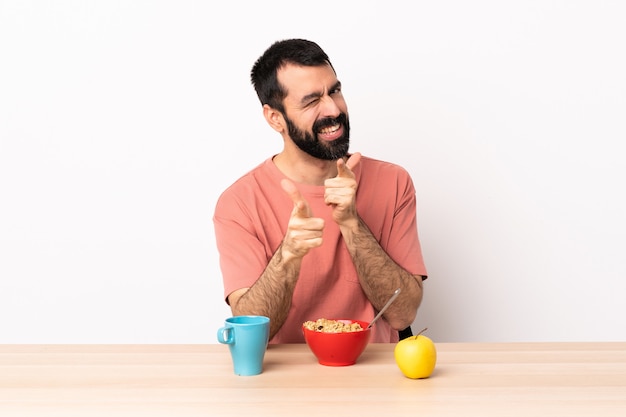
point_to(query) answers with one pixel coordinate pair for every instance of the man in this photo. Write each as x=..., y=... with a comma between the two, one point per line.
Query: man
x=316, y=232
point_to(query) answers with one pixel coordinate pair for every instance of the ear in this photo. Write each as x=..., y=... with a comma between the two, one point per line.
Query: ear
x=274, y=118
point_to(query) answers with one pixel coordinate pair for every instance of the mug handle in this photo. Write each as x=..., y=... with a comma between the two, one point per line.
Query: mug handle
x=230, y=337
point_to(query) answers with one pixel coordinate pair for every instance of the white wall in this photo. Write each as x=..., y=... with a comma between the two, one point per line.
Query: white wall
x=121, y=122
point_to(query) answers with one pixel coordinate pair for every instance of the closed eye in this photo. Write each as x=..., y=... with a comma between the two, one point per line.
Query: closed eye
x=314, y=98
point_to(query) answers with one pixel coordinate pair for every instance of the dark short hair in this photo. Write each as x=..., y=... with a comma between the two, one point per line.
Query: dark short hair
x=264, y=74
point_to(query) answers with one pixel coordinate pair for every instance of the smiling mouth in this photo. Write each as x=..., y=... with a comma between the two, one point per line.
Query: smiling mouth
x=329, y=130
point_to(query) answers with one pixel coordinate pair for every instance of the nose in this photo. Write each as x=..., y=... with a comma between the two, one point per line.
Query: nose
x=329, y=107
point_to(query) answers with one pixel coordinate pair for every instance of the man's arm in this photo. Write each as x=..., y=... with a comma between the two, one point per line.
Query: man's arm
x=378, y=274
x=271, y=294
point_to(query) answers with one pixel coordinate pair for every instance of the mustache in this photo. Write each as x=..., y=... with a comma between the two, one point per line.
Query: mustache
x=329, y=121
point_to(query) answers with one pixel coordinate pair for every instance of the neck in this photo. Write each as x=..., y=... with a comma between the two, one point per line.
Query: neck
x=303, y=168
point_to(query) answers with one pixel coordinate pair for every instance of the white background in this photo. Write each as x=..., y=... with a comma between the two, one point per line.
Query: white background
x=122, y=121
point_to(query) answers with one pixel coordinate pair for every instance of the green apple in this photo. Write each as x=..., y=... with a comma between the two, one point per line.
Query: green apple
x=416, y=356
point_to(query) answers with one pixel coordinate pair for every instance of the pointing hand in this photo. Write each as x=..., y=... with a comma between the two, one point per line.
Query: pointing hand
x=340, y=193
x=304, y=231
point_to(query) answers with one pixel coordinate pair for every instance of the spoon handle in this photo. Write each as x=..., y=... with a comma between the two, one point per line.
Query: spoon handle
x=382, y=310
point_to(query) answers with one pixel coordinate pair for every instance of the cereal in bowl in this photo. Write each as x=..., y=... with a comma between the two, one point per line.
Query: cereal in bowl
x=332, y=326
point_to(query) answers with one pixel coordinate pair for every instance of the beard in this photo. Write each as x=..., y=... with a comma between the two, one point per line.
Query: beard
x=309, y=143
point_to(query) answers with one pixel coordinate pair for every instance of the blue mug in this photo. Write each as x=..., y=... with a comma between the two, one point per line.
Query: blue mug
x=247, y=338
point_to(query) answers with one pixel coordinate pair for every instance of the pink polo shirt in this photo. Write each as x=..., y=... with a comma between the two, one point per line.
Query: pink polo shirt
x=251, y=218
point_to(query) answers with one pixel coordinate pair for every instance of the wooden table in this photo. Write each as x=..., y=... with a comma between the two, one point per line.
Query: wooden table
x=510, y=379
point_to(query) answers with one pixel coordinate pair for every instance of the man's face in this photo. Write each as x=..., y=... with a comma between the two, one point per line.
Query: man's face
x=315, y=111
x=309, y=142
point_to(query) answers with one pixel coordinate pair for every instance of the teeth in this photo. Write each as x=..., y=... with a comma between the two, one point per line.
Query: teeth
x=330, y=129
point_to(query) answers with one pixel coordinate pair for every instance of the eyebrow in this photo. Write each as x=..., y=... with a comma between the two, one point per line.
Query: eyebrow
x=306, y=99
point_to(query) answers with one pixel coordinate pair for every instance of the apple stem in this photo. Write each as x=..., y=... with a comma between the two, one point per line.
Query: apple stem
x=422, y=331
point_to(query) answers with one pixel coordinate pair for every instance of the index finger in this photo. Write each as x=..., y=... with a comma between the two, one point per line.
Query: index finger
x=345, y=169
x=301, y=207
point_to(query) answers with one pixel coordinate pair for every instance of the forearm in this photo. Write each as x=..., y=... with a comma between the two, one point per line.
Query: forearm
x=272, y=293
x=380, y=276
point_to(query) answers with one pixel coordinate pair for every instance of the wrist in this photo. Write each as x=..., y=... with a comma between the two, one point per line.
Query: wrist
x=352, y=229
x=286, y=259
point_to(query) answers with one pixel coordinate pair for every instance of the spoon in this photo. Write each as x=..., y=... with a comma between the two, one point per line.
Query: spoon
x=382, y=310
